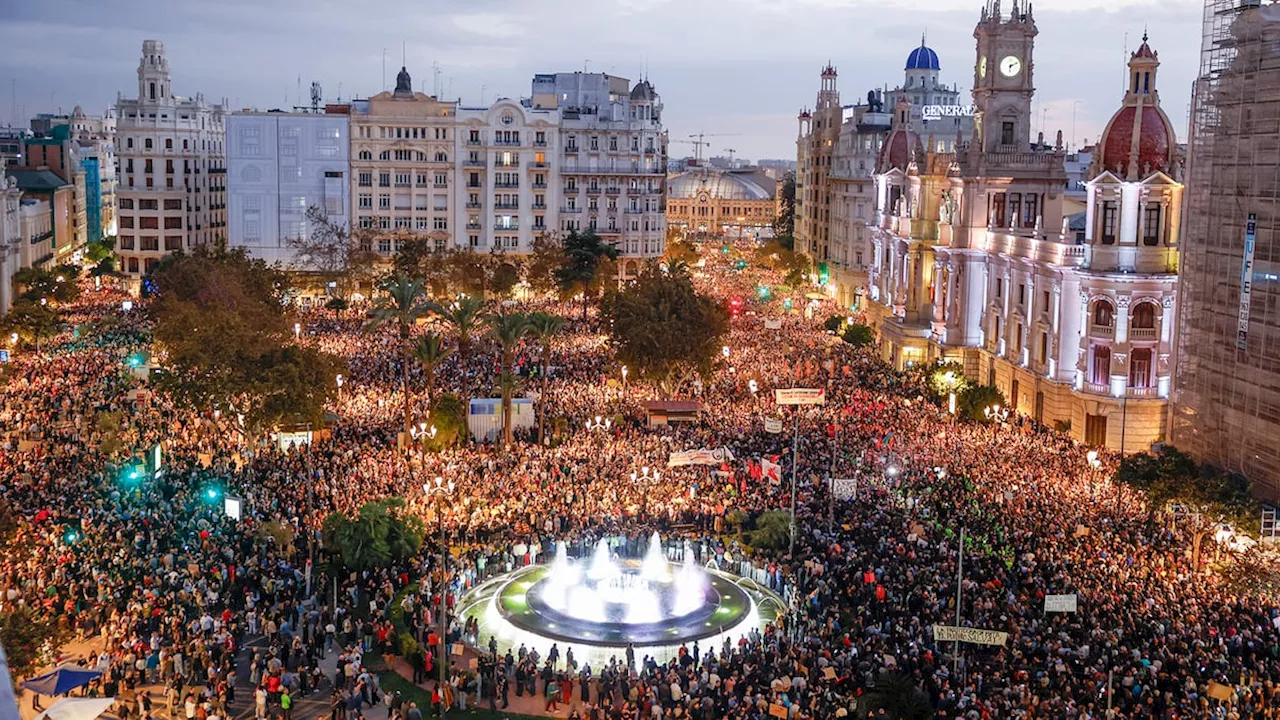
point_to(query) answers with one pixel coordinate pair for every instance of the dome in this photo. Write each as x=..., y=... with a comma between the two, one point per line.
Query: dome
x=1155, y=147
x=643, y=91
x=719, y=185
x=897, y=149
x=923, y=58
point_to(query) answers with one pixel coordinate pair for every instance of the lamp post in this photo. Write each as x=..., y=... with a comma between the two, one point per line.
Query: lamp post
x=599, y=425
x=297, y=331
x=440, y=491
x=644, y=475
x=996, y=413
x=339, y=379
x=624, y=381
x=1096, y=464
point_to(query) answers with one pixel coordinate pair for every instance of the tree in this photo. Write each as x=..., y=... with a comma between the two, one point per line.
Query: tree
x=777, y=256
x=23, y=634
x=1254, y=572
x=31, y=320
x=900, y=698
x=587, y=258
x=431, y=352
x=975, y=399
x=661, y=327
x=544, y=327
x=463, y=314
x=507, y=329
x=221, y=328
x=110, y=429
x=784, y=225
x=772, y=531
x=335, y=253
x=858, y=335
x=680, y=249
x=834, y=324
x=944, y=378
x=53, y=287
x=449, y=417
x=380, y=534
x=545, y=260
x=403, y=303
x=1208, y=497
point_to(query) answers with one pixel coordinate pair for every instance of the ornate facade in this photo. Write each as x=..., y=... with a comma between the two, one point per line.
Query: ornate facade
x=721, y=201
x=972, y=259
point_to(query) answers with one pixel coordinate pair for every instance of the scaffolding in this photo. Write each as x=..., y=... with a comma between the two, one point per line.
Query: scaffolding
x=1226, y=407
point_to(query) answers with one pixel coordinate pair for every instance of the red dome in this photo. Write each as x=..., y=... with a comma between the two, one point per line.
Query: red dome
x=896, y=151
x=1156, y=141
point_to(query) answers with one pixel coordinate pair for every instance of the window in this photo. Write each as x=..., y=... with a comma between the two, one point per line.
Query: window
x=442, y=179
x=999, y=287
x=1140, y=368
x=1101, y=365
x=384, y=202
x=1044, y=347
x=1015, y=206
x=1144, y=316
x=1029, y=210
x=146, y=144
x=995, y=214
x=366, y=155
x=249, y=141
x=365, y=202
x=147, y=204
x=1044, y=302
x=366, y=179
x=126, y=242
x=172, y=243
x=172, y=204
x=1103, y=314
x=150, y=243
x=173, y=223
x=440, y=223
x=168, y=143
x=1006, y=133
x=1109, y=216
x=149, y=223
x=384, y=179
x=1151, y=224
x=1022, y=293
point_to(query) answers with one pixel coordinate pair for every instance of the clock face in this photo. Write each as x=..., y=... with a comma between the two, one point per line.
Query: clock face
x=982, y=68
x=1010, y=66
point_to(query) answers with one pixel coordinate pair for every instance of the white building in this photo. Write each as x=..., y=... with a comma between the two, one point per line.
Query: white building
x=97, y=137
x=11, y=239
x=278, y=166
x=171, y=189
x=612, y=160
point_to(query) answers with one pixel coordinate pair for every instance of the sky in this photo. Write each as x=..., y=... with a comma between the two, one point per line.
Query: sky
x=737, y=69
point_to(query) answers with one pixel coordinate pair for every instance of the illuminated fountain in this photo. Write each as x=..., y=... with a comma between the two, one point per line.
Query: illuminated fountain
x=604, y=601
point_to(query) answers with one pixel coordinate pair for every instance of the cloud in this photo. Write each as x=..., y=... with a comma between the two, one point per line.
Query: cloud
x=743, y=67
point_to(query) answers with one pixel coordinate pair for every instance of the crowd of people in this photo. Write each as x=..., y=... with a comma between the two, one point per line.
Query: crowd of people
x=184, y=608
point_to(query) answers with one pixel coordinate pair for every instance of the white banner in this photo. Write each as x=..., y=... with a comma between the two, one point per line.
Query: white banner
x=800, y=396
x=975, y=636
x=1246, y=281
x=1060, y=603
x=704, y=456
x=773, y=324
x=772, y=425
x=844, y=488
x=231, y=506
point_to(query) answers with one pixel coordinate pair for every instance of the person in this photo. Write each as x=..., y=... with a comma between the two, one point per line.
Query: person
x=553, y=695
x=286, y=704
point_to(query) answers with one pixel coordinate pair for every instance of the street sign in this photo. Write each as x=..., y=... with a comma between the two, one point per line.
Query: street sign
x=976, y=636
x=773, y=425
x=1060, y=603
x=801, y=396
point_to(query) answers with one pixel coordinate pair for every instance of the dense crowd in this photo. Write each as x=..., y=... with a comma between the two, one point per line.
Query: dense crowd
x=183, y=607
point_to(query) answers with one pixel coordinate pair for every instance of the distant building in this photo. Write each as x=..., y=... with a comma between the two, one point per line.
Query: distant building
x=57, y=152
x=58, y=198
x=12, y=141
x=704, y=200
x=278, y=166
x=172, y=176
x=11, y=239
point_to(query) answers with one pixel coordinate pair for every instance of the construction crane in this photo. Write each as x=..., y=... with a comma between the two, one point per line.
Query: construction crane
x=699, y=142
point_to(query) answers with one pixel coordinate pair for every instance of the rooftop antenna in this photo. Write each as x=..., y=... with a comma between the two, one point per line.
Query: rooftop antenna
x=339, y=92
x=482, y=94
x=1124, y=60
x=435, y=74
x=384, y=69
x=404, y=54
x=299, y=89
x=315, y=96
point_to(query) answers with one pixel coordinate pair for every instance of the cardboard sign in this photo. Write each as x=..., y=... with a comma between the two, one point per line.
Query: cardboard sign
x=1060, y=603
x=828, y=673
x=844, y=488
x=800, y=396
x=975, y=636
x=772, y=324
x=457, y=649
x=773, y=425
x=1218, y=691
x=778, y=711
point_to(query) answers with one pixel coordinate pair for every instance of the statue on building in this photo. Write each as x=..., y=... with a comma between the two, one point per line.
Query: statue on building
x=404, y=86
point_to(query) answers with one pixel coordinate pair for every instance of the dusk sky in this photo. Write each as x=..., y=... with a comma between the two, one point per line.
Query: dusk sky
x=741, y=67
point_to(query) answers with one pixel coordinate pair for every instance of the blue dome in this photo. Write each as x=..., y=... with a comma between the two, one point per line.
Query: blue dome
x=923, y=58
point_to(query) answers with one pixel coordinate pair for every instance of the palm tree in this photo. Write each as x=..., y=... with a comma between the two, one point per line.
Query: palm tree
x=584, y=254
x=403, y=304
x=463, y=316
x=430, y=352
x=544, y=326
x=507, y=330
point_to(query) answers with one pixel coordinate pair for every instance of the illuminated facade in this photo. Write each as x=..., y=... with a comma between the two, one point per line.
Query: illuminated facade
x=973, y=260
x=721, y=201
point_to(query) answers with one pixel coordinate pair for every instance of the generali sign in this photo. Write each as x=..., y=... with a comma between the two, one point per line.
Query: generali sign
x=937, y=112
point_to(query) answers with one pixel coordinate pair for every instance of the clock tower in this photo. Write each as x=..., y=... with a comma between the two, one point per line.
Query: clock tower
x=1003, y=83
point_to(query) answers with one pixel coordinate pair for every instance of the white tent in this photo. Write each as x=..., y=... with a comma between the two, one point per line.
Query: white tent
x=76, y=709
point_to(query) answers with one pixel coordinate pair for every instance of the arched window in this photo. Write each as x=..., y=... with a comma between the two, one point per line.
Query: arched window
x=1144, y=316
x=366, y=155
x=1104, y=314
x=384, y=155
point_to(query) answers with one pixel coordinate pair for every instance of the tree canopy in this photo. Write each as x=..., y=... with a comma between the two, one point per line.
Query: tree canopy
x=381, y=533
x=226, y=340
x=663, y=329
x=588, y=261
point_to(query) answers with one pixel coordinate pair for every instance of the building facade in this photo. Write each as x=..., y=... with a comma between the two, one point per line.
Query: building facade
x=972, y=260
x=11, y=239
x=53, y=149
x=278, y=166
x=703, y=200
x=96, y=135
x=612, y=160
x=171, y=190
x=57, y=199
x=1227, y=386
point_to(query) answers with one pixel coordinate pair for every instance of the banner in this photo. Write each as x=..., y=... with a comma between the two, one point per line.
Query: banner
x=770, y=470
x=1060, y=603
x=1218, y=691
x=704, y=456
x=1246, y=281
x=801, y=396
x=773, y=324
x=975, y=636
x=844, y=488
x=773, y=425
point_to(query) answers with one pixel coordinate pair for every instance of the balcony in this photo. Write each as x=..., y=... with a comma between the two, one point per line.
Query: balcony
x=571, y=210
x=539, y=143
x=1102, y=332
x=540, y=186
x=473, y=226
x=571, y=190
x=1144, y=334
x=538, y=164
x=613, y=191
x=509, y=226
x=571, y=148
x=593, y=191
x=473, y=141
x=507, y=184
x=475, y=162
x=473, y=206
x=475, y=185
x=506, y=206
x=633, y=211
x=512, y=164
x=508, y=143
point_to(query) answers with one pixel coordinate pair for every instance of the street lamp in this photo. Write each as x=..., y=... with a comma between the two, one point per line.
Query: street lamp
x=339, y=380
x=644, y=475
x=297, y=330
x=624, y=380
x=725, y=352
x=600, y=424
x=753, y=386
x=995, y=412
x=440, y=492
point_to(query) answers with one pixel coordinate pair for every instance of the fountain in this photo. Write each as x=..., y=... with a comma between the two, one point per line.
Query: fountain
x=655, y=567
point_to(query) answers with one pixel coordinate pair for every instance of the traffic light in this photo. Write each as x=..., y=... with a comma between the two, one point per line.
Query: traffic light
x=763, y=292
x=132, y=476
x=735, y=307
x=136, y=360
x=212, y=493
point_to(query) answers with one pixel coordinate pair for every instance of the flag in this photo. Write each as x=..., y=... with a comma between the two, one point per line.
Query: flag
x=770, y=469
